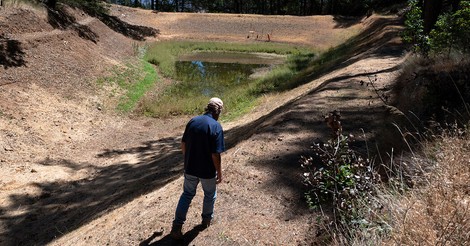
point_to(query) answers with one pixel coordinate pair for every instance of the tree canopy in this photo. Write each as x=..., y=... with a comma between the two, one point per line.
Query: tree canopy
x=268, y=7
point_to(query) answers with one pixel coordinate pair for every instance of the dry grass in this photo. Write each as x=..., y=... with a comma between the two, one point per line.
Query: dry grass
x=436, y=209
x=436, y=212
x=436, y=84
x=426, y=200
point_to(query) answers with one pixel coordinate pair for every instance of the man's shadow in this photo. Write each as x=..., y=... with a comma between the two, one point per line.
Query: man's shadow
x=188, y=237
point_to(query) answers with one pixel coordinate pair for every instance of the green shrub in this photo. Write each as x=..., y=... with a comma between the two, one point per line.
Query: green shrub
x=451, y=31
x=340, y=178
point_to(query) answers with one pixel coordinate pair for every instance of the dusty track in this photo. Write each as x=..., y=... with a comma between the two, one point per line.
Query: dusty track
x=74, y=173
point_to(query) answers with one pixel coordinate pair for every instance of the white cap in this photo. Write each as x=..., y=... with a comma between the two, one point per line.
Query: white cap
x=215, y=105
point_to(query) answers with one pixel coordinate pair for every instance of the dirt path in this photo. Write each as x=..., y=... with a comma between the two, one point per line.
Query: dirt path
x=74, y=173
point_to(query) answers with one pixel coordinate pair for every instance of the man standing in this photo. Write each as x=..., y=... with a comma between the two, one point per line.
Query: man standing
x=202, y=143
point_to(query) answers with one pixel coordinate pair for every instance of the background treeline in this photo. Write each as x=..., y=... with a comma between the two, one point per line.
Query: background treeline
x=267, y=7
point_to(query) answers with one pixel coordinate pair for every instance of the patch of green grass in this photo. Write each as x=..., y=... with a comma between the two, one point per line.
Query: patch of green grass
x=183, y=99
x=133, y=81
x=164, y=54
x=135, y=91
x=176, y=102
x=279, y=79
x=239, y=102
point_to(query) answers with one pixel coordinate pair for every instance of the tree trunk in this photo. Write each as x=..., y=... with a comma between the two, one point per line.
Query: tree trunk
x=262, y=7
x=303, y=9
x=51, y=3
x=137, y=3
x=331, y=7
x=431, y=11
x=236, y=8
x=312, y=7
x=455, y=5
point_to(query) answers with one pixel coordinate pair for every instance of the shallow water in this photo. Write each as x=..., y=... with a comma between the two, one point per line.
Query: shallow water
x=234, y=57
x=212, y=73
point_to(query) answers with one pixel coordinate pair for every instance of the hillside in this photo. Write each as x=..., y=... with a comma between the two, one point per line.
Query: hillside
x=75, y=172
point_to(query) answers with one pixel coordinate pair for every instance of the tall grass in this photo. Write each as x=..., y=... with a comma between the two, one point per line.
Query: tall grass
x=176, y=101
x=437, y=210
x=425, y=199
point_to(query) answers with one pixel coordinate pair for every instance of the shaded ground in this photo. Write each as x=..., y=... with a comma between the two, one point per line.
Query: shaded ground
x=76, y=173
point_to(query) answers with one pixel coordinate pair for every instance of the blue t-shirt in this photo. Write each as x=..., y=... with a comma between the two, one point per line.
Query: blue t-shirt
x=202, y=137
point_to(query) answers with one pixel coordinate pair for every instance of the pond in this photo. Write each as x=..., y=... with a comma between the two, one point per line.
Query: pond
x=213, y=73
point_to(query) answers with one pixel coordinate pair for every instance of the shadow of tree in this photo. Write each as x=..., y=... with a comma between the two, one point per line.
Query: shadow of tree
x=345, y=21
x=132, y=31
x=64, y=206
x=371, y=125
x=377, y=40
x=11, y=54
x=374, y=41
x=61, y=19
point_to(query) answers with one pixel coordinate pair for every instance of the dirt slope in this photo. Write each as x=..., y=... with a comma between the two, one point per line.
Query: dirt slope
x=73, y=172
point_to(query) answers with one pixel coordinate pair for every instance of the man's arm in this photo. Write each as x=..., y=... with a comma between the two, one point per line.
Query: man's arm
x=218, y=165
x=183, y=148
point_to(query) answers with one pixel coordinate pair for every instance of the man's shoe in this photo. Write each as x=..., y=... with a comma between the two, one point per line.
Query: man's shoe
x=176, y=232
x=206, y=223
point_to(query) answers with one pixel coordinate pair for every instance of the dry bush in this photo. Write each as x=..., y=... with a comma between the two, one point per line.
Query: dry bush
x=433, y=87
x=436, y=212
